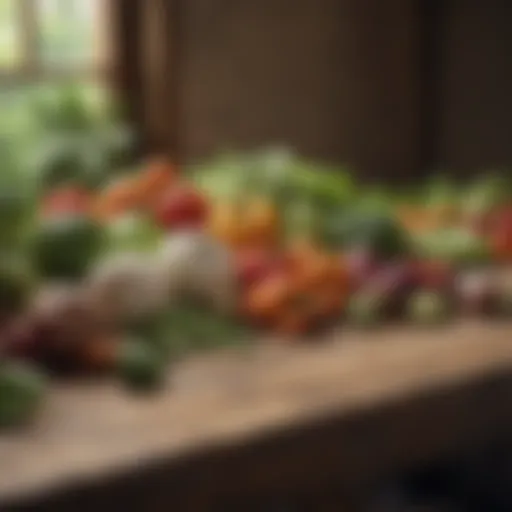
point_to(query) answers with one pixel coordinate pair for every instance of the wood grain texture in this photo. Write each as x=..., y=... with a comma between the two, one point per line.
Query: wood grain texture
x=233, y=421
x=475, y=81
x=336, y=80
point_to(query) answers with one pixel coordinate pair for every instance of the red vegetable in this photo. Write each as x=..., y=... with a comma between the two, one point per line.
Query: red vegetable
x=393, y=284
x=254, y=265
x=67, y=200
x=182, y=207
x=361, y=265
x=434, y=275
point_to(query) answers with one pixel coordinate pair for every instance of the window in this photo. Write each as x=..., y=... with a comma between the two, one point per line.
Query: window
x=45, y=44
x=48, y=39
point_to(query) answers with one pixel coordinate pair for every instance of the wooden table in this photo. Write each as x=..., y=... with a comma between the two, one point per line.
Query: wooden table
x=355, y=406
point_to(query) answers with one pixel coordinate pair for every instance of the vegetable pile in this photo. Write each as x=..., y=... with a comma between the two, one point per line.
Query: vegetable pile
x=123, y=273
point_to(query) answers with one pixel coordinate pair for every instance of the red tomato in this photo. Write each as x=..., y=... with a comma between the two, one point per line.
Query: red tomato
x=437, y=275
x=501, y=241
x=156, y=179
x=500, y=232
x=182, y=207
x=66, y=200
x=255, y=265
x=503, y=217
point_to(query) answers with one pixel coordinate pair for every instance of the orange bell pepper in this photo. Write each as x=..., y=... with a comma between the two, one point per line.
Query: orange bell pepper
x=155, y=180
x=251, y=223
x=302, y=297
x=121, y=197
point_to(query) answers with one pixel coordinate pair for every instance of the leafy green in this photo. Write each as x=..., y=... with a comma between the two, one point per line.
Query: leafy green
x=186, y=328
x=441, y=191
x=22, y=389
x=456, y=245
x=372, y=230
x=66, y=246
x=140, y=366
x=132, y=232
x=485, y=193
x=76, y=137
x=276, y=173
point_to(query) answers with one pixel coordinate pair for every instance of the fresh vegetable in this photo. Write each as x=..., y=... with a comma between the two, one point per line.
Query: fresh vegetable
x=77, y=139
x=253, y=265
x=180, y=207
x=297, y=300
x=100, y=354
x=22, y=389
x=485, y=195
x=196, y=266
x=60, y=322
x=427, y=307
x=132, y=232
x=120, y=197
x=16, y=215
x=436, y=275
x=15, y=285
x=67, y=200
x=302, y=221
x=504, y=303
x=155, y=180
x=374, y=231
x=252, y=222
x=477, y=292
x=127, y=269
x=500, y=235
x=129, y=285
x=455, y=246
x=139, y=365
x=65, y=246
x=365, y=309
x=361, y=266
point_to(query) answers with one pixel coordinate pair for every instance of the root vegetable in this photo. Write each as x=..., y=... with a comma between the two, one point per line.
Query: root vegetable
x=58, y=324
x=393, y=284
x=194, y=265
x=477, y=292
x=361, y=265
x=128, y=286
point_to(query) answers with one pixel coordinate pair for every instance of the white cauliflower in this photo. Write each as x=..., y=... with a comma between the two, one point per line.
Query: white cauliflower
x=196, y=265
x=128, y=286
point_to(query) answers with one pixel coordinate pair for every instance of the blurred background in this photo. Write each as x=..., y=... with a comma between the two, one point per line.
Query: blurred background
x=45, y=43
x=392, y=89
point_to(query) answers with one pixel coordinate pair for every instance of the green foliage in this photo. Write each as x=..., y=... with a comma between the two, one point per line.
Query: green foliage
x=456, y=245
x=80, y=137
x=367, y=229
x=186, y=328
x=22, y=390
x=60, y=134
x=65, y=247
x=140, y=366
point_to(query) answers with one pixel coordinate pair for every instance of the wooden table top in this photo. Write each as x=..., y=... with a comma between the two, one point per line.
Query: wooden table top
x=90, y=431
